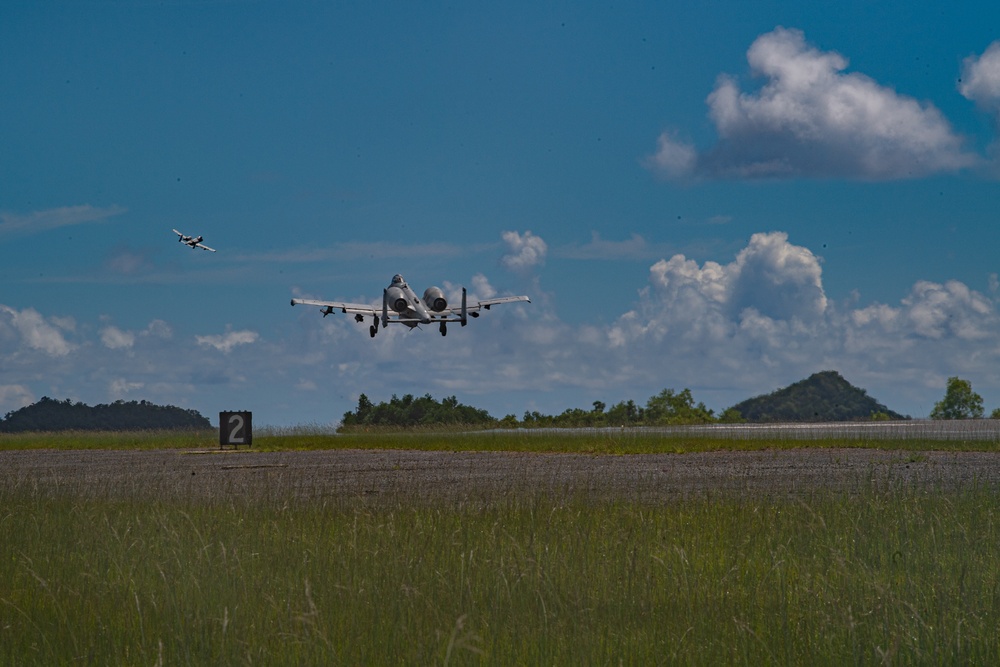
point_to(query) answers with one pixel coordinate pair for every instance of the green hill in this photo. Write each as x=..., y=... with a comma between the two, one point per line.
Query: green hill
x=823, y=397
x=51, y=415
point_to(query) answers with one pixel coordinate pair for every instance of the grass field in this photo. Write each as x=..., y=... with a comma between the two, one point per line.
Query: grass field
x=967, y=435
x=889, y=574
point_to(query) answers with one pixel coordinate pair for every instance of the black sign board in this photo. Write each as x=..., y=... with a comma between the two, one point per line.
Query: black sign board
x=235, y=429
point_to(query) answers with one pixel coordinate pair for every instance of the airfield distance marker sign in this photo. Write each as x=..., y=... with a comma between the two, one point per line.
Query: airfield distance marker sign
x=235, y=429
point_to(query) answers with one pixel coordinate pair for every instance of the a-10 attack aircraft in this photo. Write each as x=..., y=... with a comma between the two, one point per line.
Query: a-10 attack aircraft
x=401, y=305
x=193, y=241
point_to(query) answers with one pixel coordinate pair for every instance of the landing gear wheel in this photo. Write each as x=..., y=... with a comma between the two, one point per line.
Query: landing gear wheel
x=372, y=330
x=444, y=329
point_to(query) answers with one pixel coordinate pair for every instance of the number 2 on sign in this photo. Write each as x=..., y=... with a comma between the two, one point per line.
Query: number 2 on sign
x=236, y=435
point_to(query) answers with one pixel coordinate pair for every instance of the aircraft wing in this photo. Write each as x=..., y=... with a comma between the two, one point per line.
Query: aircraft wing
x=331, y=306
x=475, y=306
x=486, y=303
x=204, y=247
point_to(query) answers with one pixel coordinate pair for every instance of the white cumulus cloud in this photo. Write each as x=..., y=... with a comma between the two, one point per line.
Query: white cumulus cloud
x=482, y=287
x=673, y=158
x=777, y=278
x=981, y=78
x=35, y=332
x=524, y=251
x=116, y=339
x=813, y=119
x=952, y=309
x=771, y=275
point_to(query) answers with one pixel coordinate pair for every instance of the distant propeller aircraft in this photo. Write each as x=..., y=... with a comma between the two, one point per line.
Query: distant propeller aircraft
x=193, y=241
x=401, y=305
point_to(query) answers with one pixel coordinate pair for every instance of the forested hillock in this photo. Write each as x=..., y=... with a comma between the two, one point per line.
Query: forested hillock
x=822, y=397
x=51, y=415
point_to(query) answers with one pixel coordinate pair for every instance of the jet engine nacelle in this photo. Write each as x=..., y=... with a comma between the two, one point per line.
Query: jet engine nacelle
x=396, y=299
x=434, y=299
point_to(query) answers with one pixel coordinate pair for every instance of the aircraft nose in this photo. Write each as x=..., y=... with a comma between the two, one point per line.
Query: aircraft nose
x=421, y=312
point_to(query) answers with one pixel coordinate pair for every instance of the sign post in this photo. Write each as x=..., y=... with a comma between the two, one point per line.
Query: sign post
x=235, y=429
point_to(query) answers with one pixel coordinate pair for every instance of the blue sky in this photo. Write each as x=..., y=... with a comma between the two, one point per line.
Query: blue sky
x=725, y=196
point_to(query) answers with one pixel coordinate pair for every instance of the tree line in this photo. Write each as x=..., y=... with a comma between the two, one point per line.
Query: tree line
x=824, y=396
x=667, y=407
x=410, y=411
x=53, y=415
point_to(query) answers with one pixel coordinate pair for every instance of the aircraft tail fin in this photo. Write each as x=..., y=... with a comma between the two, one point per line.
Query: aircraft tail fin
x=465, y=311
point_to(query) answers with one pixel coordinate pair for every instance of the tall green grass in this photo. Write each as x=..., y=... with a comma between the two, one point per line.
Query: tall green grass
x=965, y=435
x=889, y=575
x=67, y=440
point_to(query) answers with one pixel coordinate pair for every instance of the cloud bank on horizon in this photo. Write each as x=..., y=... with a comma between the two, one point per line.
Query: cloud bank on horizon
x=813, y=119
x=762, y=315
